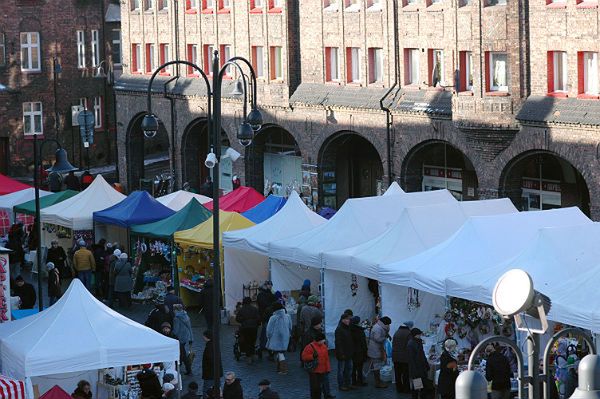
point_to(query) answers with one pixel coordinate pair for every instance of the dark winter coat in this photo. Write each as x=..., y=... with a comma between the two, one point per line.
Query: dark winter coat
x=122, y=273
x=157, y=316
x=54, y=289
x=233, y=390
x=400, y=344
x=268, y=394
x=417, y=361
x=344, y=344
x=27, y=295
x=359, y=341
x=206, y=298
x=172, y=299
x=79, y=394
x=248, y=316
x=497, y=370
x=208, y=360
x=447, y=379
x=57, y=256
x=265, y=299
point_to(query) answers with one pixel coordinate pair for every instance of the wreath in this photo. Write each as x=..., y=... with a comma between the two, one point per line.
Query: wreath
x=354, y=285
x=449, y=329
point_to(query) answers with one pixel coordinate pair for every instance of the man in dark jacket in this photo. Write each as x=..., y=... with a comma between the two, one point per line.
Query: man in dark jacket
x=58, y=257
x=211, y=377
x=249, y=320
x=359, y=357
x=192, y=392
x=344, y=351
x=171, y=298
x=264, y=300
x=265, y=390
x=418, y=367
x=232, y=389
x=497, y=370
x=206, y=300
x=26, y=292
x=400, y=356
x=159, y=315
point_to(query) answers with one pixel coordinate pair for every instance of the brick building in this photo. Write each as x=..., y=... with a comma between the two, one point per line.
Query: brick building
x=477, y=96
x=48, y=61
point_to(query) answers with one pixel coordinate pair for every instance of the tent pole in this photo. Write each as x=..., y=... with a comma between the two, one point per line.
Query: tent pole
x=174, y=270
x=179, y=380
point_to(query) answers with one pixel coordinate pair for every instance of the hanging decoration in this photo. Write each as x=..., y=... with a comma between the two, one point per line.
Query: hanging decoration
x=413, y=302
x=354, y=284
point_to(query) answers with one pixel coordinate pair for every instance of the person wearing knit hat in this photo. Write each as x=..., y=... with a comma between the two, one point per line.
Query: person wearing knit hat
x=308, y=313
x=265, y=391
x=344, y=351
x=84, y=264
x=122, y=272
x=400, y=356
x=448, y=370
x=376, y=348
x=112, y=259
x=54, y=288
x=360, y=352
x=418, y=366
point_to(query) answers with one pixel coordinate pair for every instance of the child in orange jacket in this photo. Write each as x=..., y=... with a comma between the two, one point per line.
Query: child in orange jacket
x=317, y=350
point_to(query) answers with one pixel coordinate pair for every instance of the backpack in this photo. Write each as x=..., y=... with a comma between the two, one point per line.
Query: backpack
x=311, y=365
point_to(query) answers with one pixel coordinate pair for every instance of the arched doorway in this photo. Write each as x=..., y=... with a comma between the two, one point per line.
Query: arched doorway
x=145, y=157
x=542, y=180
x=349, y=167
x=274, y=162
x=436, y=165
x=195, y=144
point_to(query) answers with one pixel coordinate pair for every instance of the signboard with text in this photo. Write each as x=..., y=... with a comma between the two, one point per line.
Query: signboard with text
x=4, y=288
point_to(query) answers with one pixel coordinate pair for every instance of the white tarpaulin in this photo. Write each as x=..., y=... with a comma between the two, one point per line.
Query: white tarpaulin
x=181, y=198
x=394, y=189
x=290, y=276
x=357, y=221
x=8, y=201
x=482, y=242
x=245, y=254
x=79, y=333
x=76, y=212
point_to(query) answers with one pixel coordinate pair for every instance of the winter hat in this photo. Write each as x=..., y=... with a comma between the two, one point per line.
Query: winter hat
x=108, y=245
x=355, y=320
x=319, y=336
x=315, y=321
x=117, y=252
x=277, y=306
x=409, y=324
x=312, y=300
x=123, y=255
x=386, y=320
x=346, y=316
x=81, y=243
x=49, y=265
x=165, y=324
x=168, y=387
x=264, y=383
x=278, y=294
x=415, y=331
x=19, y=278
x=306, y=283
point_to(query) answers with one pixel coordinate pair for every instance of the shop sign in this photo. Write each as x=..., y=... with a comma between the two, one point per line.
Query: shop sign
x=534, y=184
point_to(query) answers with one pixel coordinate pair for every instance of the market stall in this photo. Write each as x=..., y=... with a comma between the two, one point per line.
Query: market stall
x=28, y=207
x=239, y=200
x=40, y=346
x=8, y=201
x=154, y=245
x=264, y=210
x=8, y=185
x=11, y=388
x=71, y=219
x=194, y=257
x=246, y=251
x=178, y=199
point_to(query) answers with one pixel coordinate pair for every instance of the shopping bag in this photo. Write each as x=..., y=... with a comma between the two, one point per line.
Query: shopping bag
x=280, y=357
x=387, y=372
x=417, y=384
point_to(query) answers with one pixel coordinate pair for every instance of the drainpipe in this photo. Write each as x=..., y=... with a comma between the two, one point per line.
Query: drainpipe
x=388, y=113
x=173, y=127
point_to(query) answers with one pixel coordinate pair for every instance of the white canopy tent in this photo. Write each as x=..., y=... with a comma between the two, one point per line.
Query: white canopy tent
x=78, y=333
x=358, y=220
x=246, y=251
x=394, y=189
x=481, y=243
x=8, y=201
x=178, y=199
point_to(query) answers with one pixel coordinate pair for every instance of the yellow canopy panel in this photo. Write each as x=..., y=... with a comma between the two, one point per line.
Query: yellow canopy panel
x=202, y=234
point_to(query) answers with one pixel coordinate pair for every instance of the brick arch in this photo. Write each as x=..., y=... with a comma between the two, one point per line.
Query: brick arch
x=327, y=137
x=30, y=24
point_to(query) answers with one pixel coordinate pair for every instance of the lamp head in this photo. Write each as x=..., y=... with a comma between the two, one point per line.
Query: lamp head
x=589, y=378
x=245, y=134
x=238, y=88
x=211, y=160
x=231, y=153
x=513, y=293
x=255, y=119
x=150, y=125
x=471, y=385
x=62, y=164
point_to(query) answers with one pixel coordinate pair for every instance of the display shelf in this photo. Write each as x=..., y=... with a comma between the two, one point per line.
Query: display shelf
x=189, y=287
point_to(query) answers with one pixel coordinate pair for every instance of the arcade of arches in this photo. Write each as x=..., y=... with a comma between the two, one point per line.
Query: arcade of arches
x=140, y=149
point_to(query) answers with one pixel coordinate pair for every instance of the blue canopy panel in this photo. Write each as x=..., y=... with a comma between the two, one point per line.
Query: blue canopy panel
x=138, y=208
x=264, y=210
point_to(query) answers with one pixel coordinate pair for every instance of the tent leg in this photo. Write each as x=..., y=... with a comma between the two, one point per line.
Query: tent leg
x=322, y=289
x=179, y=380
x=174, y=270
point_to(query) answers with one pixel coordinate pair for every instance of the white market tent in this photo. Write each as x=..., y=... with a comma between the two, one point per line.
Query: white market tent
x=359, y=219
x=481, y=243
x=246, y=251
x=8, y=201
x=417, y=229
x=76, y=212
x=394, y=189
x=179, y=199
x=78, y=333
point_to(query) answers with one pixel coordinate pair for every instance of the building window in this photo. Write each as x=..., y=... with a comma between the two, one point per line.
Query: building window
x=208, y=6
x=332, y=65
x=375, y=65
x=95, y=48
x=330, y=5
x=32, y=118
x=192, y=56
x=352, y=5
x=411, y=66
x=136, y=58
x=495, y=2
x=258, y=61
x=276, y=63
x=256, y=4
x=224, y=5
x=150, y=65
x=275, y=5
x=497, y=71
x=588, y=73
x=80, y=49
x=116, y=47
x=208, y=58
x=98, y=113
x=353, y=65
x=374, y=5
x=149, y=5
x=83, y=103
x=431, y=2
x=163, y=4
x=135, y=5
x=2, y=50
x=225, y=56
x=466, y=71
x=191, y=5
x=30, y=51
x=557, y=72
x=164, y=58
x=436, y=67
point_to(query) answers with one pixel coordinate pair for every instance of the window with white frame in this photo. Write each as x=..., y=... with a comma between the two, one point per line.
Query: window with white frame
x=259, y=3
x=330, y=5
x=278, y=3
x=32, y=118
x=136, y=58
x=149, y=4
x=163, y=4
x=225, y=4
x=2, y=50
x=332, y=65
x=83, y=103
x=209, y=4
x=559, y=71
x=258, y=61
x=150, y=60
x=436, y=69
x=95, y=48
x=191, y=4
x=30, y=51
x=116, y=46
x=412, y=66
x=352, y=5
x=498, y=72
x=226, y=50
x=164, y=57
x=375, y=65
x=276, y=63
x=468, y=70
x=353, y=65
x=98, y=112
x=374, y=5
x=192, y=56
x=135, y=5
x=80, y=49
x=208, y=58
x=590, y=73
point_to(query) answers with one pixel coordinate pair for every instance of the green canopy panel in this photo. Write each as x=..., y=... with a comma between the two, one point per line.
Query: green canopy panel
x=28, y=208
x=187, y=217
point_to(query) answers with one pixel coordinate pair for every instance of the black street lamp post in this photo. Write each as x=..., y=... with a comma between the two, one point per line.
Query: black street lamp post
x=251, y=124
x=61, y=165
